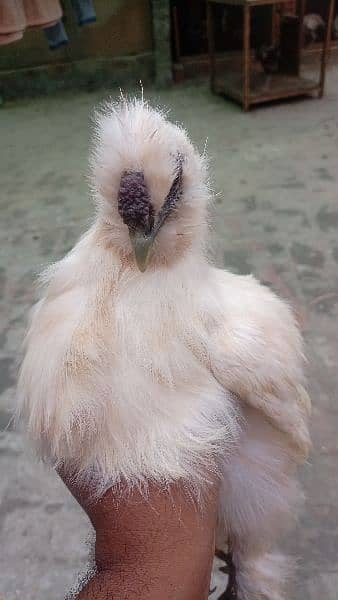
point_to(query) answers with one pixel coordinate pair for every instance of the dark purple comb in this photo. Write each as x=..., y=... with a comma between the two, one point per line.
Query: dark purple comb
x=134, y=203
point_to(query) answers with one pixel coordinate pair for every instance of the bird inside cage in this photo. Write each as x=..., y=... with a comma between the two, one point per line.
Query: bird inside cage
x=314, y=29
x=145, y=363
x=269, y=57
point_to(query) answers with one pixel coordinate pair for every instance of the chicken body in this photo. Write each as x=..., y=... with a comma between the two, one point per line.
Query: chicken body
x=165, y=374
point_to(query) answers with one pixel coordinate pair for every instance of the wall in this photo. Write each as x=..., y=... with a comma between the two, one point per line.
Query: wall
x=122, y=27
x=118, y=48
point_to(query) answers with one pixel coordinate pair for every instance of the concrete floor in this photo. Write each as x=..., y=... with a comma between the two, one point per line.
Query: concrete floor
x=276, y=216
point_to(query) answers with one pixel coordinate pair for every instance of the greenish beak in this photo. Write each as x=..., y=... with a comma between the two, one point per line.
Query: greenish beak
x=142, y=245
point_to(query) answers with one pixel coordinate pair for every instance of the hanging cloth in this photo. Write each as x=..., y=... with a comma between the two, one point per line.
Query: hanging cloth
x=13, y=21
x=18, y=15
x=85, y=13
x=56, y=36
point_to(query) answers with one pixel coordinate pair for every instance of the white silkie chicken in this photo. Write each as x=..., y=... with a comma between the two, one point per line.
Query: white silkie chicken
x=145, y=363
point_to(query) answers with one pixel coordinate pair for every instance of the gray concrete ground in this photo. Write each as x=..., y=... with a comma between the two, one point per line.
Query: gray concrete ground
x=276, y=215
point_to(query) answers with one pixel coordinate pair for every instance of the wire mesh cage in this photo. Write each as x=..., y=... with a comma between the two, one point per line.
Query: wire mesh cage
x=271, y=36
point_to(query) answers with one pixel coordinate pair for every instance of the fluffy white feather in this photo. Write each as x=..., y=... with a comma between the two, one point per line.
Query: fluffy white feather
x=151, y=376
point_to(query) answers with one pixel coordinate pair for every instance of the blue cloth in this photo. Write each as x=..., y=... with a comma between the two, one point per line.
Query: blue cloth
x=56, y=35
x=85, y=11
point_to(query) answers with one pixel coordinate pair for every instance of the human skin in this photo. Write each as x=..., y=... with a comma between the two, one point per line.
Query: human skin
x=153, y=545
